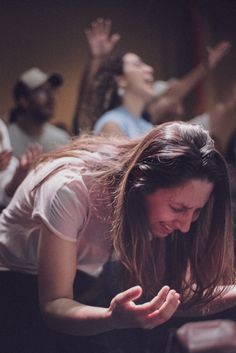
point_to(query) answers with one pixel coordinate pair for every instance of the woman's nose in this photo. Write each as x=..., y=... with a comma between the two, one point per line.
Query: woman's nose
x=149, y=68
x=184, y=223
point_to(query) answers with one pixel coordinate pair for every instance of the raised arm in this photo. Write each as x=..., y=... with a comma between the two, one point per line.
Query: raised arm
x=57, y=268
x=165, y=107
x=101, y=43
x=189, y=81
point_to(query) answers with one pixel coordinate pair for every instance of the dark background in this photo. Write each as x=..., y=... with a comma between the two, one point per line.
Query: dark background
x=171, y=35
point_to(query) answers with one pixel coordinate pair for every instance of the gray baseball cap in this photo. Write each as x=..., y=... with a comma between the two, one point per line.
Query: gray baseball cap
x=33, y=79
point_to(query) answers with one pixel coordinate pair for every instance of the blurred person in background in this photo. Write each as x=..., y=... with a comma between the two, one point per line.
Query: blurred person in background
x=34, y=95
x=121, y=82
x=123, y=86
x=13, y=170
x=165, y=104
x=168, y=104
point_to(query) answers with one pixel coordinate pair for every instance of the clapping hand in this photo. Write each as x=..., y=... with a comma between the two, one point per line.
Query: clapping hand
x=5, y=157
x=29, y=156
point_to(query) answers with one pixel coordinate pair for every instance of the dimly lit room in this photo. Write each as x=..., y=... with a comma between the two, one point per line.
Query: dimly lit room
x=118, y=176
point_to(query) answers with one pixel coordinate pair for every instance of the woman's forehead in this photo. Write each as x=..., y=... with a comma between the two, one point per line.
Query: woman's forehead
x=192, y=194
x=130, y=57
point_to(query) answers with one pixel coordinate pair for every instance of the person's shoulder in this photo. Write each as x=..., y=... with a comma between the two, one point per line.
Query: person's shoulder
x=3, y=127
x=55, y=131
x=114, y=115
x=202, y=120
x=2, y=123
x=146, y=124
x=61, y=176
x=16, y=133
x=13, y=127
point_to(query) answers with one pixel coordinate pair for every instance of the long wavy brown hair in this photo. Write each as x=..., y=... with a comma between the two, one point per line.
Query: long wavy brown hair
x=170, y=155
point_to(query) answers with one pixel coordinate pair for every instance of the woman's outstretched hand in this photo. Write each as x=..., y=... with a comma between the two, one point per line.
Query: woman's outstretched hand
x=100, y=39
x=217, y=53
x=126, y=314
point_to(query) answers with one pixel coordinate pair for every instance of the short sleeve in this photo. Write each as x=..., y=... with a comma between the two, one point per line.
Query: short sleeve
x=109, y=117
x=63, y=205
x=7, y=174
x=5, y=139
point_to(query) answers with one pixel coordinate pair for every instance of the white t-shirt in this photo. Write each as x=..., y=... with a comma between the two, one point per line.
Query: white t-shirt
x=7, y=174
x=69, y=205
x=203, y=120
x=50, y=138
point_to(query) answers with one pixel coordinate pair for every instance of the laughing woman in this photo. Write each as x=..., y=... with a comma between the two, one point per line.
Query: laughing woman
x=123, y=86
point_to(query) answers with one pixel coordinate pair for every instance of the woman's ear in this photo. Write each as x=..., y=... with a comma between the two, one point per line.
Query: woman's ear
x=121, y=84
x=121, y=81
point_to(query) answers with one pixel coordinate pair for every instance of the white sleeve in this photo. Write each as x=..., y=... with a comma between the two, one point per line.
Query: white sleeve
x=7, y=174
x=5, y=139
x=63, y=206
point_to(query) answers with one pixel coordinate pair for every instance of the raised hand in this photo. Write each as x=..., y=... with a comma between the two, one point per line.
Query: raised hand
x=5, y=157
x=216, y=54
x=100, y=40
x=126, y=314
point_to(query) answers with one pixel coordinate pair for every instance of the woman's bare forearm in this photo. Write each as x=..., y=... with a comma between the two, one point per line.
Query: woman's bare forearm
x=70, y=317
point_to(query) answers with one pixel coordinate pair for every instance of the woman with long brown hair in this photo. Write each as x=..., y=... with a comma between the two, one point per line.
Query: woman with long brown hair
x=160, y=205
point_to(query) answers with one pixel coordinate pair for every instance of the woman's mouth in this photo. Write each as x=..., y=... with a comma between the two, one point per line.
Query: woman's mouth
x=166, y=228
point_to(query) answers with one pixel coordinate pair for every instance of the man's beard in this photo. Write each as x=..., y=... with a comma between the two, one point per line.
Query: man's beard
x=40, y=118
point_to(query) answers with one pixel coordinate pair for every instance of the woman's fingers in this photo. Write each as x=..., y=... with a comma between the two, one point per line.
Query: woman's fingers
x=127, y=296
x=159, y=310
x=33, y=151
x=166, y=310
x=5, y=157
x=155, y=303
x=126, y=313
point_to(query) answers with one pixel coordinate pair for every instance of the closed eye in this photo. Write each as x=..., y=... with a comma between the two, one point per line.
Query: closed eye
x=196, y=214
x=177, y=210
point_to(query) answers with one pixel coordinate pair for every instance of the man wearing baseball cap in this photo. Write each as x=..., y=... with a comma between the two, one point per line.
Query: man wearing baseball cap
x=34, y=96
